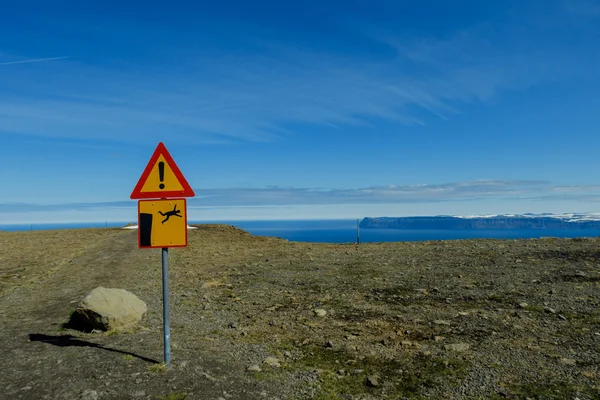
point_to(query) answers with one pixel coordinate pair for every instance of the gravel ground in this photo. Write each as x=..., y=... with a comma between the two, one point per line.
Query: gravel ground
x=262, y=318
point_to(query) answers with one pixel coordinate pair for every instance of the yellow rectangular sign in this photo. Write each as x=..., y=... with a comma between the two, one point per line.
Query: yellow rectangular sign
x=162, y=223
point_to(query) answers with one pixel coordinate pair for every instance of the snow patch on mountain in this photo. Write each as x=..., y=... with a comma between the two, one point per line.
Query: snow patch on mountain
x=568, y=217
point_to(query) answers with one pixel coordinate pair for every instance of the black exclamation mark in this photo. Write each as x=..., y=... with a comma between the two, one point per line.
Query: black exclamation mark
x=161, y=174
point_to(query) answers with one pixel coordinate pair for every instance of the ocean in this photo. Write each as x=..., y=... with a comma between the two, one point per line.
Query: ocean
x=344, y=231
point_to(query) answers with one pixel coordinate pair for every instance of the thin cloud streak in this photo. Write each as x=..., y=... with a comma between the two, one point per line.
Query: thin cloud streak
x=500, y=191
x=281, y=85
x=34, y=60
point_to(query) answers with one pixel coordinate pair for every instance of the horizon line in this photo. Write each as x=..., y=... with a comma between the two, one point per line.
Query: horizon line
x=202, y=221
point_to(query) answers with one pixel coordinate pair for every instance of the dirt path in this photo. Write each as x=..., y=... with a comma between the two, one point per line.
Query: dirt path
x=68, y=281
x=47, y=362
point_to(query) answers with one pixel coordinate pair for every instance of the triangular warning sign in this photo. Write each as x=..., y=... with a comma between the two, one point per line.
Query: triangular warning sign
x=161, y=178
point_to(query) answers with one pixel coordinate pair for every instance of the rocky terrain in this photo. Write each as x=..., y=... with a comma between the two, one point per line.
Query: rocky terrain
x=263, y=318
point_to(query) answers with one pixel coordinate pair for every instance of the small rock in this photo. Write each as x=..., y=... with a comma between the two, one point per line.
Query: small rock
x=406, y=343
x=441, y=322
x=589, y=374
x=320, y=312
x=29, y=388
x=372, y=381
x=287, y=354
x=341, y=372
x=562, y=317
x=357, y=371
x=135, y=374
x=139, y=393
x=438, y=338
x=272, y=362
x=550, y=310
x=457, y=347
x=210, y=284
x=88, y=395
x=580, y=274
x=254, y=368
x=568, y=361
x=232, y=325
x=208, y=376
x=463, y=313
x=329, y=344
x=523, y=305
x=139, y=380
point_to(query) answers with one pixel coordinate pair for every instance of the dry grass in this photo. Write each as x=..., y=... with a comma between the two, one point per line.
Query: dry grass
x=393, y=310
x=30, y=257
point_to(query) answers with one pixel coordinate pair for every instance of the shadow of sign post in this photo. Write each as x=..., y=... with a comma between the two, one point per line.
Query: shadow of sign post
x=70, y=340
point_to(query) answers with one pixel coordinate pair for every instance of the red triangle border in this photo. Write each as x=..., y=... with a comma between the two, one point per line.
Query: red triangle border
x=137, y=191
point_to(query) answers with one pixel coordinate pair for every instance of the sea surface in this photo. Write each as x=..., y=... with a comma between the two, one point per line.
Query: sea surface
x=344, y=231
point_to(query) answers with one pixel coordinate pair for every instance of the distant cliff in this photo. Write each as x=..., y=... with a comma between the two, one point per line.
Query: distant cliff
x=495, y=222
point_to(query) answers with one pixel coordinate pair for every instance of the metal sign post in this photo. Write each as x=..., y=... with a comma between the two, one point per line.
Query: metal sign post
x=165, y=293
x=162, y=223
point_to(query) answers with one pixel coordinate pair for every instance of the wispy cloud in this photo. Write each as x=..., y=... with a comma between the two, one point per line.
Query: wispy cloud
x=473, y=192
x=234, y=96
x=584, y=8
x=576, y=189
x=33, y=60
x=462, y=191
x=69, y=144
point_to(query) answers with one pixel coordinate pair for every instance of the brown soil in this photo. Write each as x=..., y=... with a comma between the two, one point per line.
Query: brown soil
x=473, y=319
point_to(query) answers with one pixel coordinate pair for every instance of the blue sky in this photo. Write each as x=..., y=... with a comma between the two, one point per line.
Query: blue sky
x=308, y=109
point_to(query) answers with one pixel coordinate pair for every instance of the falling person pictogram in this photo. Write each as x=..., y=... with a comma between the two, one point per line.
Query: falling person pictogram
x=169, y=214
